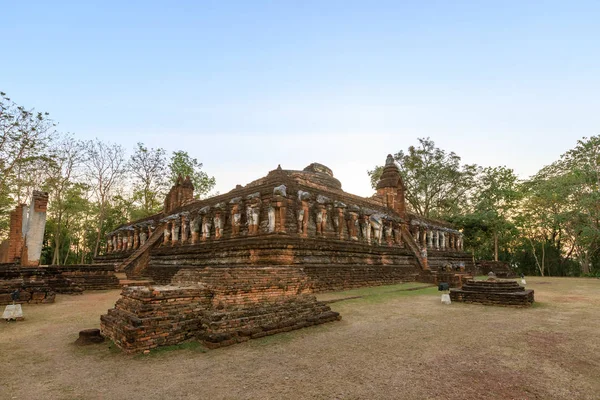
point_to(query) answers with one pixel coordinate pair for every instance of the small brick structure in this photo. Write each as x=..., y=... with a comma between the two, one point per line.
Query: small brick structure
x=493, y=292
x=219, y=306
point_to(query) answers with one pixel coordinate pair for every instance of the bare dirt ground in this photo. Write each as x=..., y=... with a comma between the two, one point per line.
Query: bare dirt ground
x=391, y=344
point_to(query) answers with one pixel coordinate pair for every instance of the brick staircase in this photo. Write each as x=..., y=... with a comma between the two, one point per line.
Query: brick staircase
x=128, y=265
x=412, y=245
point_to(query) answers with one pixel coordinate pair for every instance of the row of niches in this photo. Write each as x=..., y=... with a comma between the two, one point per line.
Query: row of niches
x=303, y=217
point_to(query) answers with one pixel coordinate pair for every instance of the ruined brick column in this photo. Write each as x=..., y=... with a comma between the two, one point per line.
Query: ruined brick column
x=424, y=238
x=36, y=225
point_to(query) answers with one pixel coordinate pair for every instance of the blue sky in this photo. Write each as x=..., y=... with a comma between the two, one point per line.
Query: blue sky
x=244, y=86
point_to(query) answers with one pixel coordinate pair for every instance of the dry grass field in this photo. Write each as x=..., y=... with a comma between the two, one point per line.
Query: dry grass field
x=391, y=344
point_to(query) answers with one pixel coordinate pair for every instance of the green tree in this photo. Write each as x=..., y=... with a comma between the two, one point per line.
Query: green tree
x=437, y=184
x=104, y=168
x=148, y=168
x=182, y=164
x=495, y=198
x=24, y=138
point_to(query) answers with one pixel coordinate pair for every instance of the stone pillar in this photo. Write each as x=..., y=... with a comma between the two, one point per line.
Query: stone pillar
x=424, y=238
x=417, y=234
x=253, y=204
x=206, y=227
x=218, y=222
x=303, y=212
x=398, y=234
x=430, y=239
x=143, y=236
x=114, y=243
x=129, y=240
x=321, y=219
x=195, y=228
x=389, y=233
x=136, y=238
x=442, y=241
x=282, y=208
x=340, y=218
x=36, y=225
x=167, y=234
x=175, y=225
x=185, y=231
x=236, y=220
x=109, y=246
x=119, y=241
x=352, y=223
x=366, y=228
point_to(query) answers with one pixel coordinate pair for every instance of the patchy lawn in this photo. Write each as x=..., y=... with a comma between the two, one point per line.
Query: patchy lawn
x=391, y=343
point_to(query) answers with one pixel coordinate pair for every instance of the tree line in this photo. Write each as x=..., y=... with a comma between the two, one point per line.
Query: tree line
x=548, y=224
x=93, y=185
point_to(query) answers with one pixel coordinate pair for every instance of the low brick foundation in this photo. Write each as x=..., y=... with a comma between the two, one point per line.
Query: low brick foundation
x=493, y=292
x=91, y=276
x=220, y=306
x=32, y=285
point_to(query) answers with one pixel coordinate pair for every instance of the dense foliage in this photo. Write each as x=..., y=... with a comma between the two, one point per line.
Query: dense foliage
x=93, y=185
x=548, y=224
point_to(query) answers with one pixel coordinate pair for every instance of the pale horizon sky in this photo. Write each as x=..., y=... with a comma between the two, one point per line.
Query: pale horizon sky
x=245, y=86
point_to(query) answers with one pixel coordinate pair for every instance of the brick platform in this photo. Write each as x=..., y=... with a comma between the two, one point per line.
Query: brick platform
x=220, y=306
x=493, y=292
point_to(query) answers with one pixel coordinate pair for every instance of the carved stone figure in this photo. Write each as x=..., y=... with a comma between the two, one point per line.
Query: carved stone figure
x=279, y=203
x=365, y=228
x=175, y=225
x=195, y=228
x=352, y=223
x=143, y=237
x=184, y=229
x=389, y=233
x=377, y=225
x=236, y=220
x=339, y=218
x=321, y=219
x=253, y=203
x=167, y=234
x=271, y=215
x=218, y=220
x=136, y=238
x=206, y=225
x=303, y=212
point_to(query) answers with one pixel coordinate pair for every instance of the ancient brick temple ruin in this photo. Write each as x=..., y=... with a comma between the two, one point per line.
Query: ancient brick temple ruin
x=297, y=225
x=26, y=234
x=291, y=218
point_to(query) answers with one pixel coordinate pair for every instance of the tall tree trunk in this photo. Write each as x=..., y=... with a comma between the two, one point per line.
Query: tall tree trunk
x=495, y=246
